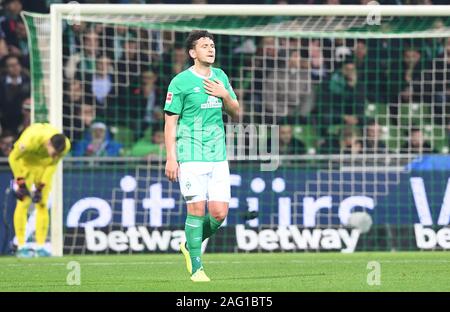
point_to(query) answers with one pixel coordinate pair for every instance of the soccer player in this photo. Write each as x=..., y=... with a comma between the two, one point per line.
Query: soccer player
x=195, y=144
x=33, y=161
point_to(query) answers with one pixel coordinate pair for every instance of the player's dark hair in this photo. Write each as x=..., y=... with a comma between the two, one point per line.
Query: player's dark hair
x=58, y=142
x=193, y=36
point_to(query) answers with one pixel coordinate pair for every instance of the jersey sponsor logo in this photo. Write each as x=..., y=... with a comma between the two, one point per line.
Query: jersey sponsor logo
x=196, y=89
x=169, y=97
x=212, y=102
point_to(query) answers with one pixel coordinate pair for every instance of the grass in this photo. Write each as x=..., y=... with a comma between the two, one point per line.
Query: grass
x=401, y=271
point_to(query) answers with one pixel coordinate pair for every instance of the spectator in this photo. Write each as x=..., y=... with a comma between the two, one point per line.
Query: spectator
x=11, y=19
x=261, y=65
x=83, y=63
x=288, y=145
x=128, y=64
x=174, y=62
x=138, y=107
x=151, y=145
x=342, y=102
x=102, y=81
x=19, y=45
x=72, y=101
x=151, y=96
x=317, y=61
x=97, y=143
x=72, y=37
x=78, y=123
x=405, y=72
x=346, y=91
x=372, y=139
x=289, y=91
x=371, y=72
x=26, y=115
x=351, y=143
x=14, y=87
x=416, y=143
x=6, y=143
x=437, y=87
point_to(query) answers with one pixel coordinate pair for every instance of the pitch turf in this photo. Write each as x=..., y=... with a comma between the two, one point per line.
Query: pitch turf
x=411, y=271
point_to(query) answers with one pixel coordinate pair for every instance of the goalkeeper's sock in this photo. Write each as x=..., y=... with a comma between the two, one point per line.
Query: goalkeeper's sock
x=210, y=226
x=20, y=220
x=194, y=231
x=41, y=224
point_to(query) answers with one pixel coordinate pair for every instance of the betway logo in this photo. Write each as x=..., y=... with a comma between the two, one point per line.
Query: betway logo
x=290, y=238
x=135, y=238
x=427, y=238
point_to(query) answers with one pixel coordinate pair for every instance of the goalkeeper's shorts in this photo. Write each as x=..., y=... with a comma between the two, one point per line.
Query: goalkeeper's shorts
x=205, y=181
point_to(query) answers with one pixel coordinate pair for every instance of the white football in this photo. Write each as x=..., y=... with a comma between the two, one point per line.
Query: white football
x=361, y=221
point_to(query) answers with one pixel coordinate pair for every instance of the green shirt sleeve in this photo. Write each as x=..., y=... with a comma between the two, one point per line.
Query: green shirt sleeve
x=174, y=98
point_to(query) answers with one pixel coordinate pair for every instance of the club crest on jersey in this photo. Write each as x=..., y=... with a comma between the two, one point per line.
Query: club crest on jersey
x=169, y=97
x=212, y=102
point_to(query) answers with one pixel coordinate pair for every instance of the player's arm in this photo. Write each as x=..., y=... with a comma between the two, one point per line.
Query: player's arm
x=22, y=146
x=172, y=108
x=218, y=89
x=170, y=133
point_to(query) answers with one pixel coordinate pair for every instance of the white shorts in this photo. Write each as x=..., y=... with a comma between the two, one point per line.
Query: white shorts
x=205, y=181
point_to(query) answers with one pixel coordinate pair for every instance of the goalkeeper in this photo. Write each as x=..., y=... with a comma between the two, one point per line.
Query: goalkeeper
x=33, y=161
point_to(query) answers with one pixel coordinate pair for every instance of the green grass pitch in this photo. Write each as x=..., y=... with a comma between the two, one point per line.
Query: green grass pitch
x=400, y=271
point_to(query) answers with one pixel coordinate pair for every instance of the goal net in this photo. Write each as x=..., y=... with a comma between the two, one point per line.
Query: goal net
x=341, y=143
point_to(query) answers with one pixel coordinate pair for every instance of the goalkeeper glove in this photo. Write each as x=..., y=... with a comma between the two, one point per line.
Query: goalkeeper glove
x=20, y=189
x=37, y=194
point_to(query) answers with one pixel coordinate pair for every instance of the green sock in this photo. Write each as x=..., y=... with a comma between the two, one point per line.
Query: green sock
x=194, y=231
x=210, y=226
x=206, y=228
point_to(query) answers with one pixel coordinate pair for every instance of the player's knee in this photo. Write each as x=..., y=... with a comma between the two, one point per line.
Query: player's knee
x=219, y=215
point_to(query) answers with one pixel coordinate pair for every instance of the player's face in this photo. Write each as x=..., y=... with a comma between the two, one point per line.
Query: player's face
x=51, y=150
x=204, y=51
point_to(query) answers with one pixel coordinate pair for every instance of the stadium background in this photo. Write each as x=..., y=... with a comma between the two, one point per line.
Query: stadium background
x=342, y=141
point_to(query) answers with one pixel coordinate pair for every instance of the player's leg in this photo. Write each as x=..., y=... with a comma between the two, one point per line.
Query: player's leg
x=194, y=231
x=20, y=221
x=218, y=211
x=219, y=196
x=42, y=214
x=42, y=222
x=193, y=188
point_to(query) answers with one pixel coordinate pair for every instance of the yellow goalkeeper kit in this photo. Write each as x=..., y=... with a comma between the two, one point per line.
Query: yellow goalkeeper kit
x=33, y=168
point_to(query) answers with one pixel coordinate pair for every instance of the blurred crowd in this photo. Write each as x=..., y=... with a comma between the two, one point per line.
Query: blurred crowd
x=115, y=80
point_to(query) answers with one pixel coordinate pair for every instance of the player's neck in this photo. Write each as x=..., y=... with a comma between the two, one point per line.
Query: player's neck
x=202, y=70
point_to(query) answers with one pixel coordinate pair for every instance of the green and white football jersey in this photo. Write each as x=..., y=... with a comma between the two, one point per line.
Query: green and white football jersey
x=200, y=130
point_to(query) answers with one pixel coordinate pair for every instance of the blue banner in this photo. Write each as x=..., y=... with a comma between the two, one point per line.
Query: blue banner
x=284, y=197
